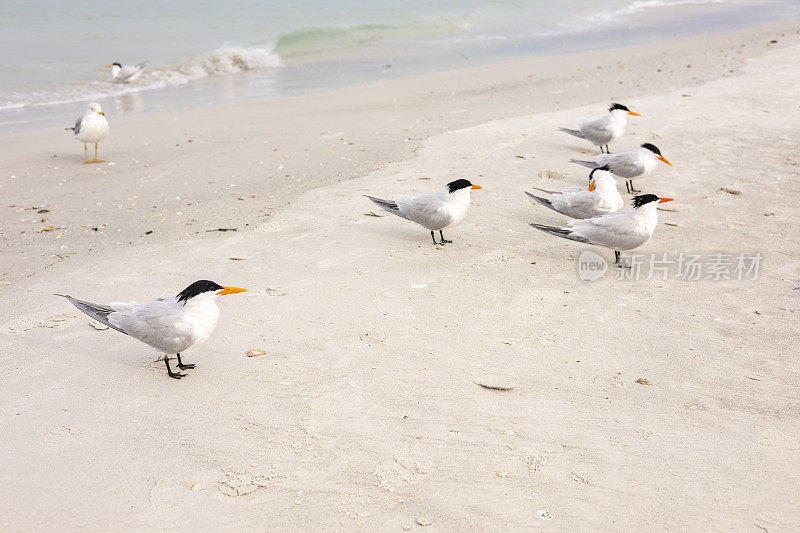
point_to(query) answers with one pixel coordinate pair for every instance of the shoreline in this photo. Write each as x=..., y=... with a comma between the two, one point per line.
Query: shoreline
x=131, y=103
x=318, y=74
x=303, y=143
x=364, y=413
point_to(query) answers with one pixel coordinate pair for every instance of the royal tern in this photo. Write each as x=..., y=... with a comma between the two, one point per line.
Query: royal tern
x=126, y=73
x=170, y=325
x=623, y=230
x=437, y=211
x=603, y=130
x=600, y=198
x=630, y=165
x=91, y=127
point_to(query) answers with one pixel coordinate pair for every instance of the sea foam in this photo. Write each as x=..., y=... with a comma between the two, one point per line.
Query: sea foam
x=224, y=61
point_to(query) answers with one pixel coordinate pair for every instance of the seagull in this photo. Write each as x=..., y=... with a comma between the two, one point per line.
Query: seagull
x=124, y=74
x=91, y=127
x=630, y=165
x=623, y=230
x=600, y=198
x=170, y=325
x=603, y=130
x=443, y=209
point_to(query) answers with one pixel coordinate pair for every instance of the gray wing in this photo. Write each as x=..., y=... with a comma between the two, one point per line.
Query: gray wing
x=543, y=201
x=576, y=133
x=561, y=232
x=388, y=206
x=96, y=311
x=587, y=164
x=77, y=127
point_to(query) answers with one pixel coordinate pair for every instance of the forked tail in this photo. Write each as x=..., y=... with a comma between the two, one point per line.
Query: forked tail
x=547, y=203
x=587, y=164
x=576, y=133
x=388, y=206
x=96, y=311
x=560, y=232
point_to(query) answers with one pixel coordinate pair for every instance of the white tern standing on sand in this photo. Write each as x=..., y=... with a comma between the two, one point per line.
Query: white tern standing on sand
x=599, y=198
x=437, y=211
x=91, y=127
x=170, y=325
x=624, y=230
x=125, y=73
x=603, y=130
x=630, y=165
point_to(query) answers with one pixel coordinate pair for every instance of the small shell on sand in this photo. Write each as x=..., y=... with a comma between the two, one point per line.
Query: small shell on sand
x=197, y=486
x=424, y=521
x=643, y=381
x=255, y=352
x=98, y=325
x=495, y=382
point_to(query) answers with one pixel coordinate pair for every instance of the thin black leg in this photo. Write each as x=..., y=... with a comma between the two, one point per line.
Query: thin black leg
x=181, y=365
x=607, y=150
x=628, y=186
x=175, y=375
x=618, y=261
x=433, y=236
x=632, y=190
x=444, y=241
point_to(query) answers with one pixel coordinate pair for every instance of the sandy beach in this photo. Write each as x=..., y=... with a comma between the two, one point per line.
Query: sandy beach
x=634, y=404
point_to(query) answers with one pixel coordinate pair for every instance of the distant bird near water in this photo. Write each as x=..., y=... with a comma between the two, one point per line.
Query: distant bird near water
x=603, y=130
x=600, y=198
x=91, y=127
x=623, y=230
x=440, y=210
x=630, y=165
x=125, y=73
x=171, y=325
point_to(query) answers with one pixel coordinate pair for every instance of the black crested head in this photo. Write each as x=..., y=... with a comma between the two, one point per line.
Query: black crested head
x=652, y=147
x=117, y=64
x=591, y=174
x=619, y=106
x=454, y=186
x=197, y=288
x=642, y=199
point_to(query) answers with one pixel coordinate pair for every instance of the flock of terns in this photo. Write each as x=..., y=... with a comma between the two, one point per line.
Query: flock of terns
x=174, y=324
x=595, y=208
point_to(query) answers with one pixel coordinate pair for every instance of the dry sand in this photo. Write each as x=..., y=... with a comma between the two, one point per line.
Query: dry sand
x=364, y=413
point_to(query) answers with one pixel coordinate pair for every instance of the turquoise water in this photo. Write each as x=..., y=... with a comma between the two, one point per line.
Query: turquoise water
x=203, y=53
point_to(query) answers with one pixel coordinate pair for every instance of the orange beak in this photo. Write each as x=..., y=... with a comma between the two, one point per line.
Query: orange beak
x=107, y=66
x=664, y=159
x=230, y=290
x=592, y=186
x=634, y=114
x=477, y=187
x=665, y=200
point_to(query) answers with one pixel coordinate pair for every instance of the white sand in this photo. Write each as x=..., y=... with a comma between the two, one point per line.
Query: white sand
x=364, y=414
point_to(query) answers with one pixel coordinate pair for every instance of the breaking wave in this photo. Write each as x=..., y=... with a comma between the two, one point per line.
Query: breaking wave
x=225, y=61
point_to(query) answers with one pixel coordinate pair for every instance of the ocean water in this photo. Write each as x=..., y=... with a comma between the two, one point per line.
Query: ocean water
x=203, y=53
